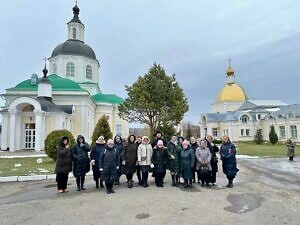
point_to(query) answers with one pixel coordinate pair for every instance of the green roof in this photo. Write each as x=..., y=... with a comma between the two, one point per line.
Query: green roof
x=58, y=84
x=107, y=98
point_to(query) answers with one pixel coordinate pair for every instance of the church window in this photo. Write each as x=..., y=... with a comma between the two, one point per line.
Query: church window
x=247, y=132
x=281, y=132
x=54, y=68
x=242, y=132
x=89, y=72
x=74, y=33
x=70, y=69
x=259, y=117
x=245, y=119
x=293, y=131
x=215, y=132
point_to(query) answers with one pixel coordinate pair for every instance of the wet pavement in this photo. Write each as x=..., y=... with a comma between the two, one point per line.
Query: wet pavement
x=262, y=194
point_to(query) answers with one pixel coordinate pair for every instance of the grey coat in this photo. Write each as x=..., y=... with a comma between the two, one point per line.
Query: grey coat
x=203, y=155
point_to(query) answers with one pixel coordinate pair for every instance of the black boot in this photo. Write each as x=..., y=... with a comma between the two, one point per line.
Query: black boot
x=173, y=180
x=186, y=183
x=97, y=183
x=230, y=183
x=107, y=185
x=177, y=181
x=82, y=182
x=190, y=183
x=111, y=187
x=78, y=183
x=130, y=184
x=101, y=183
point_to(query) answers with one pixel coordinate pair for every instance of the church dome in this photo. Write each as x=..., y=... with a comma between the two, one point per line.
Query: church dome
x=74, y=47
x=231, y=92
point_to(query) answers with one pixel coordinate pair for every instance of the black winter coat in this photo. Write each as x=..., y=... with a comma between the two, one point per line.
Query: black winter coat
x=109, y=162
x=214, y=159
x=81, y=160
x=129, y=155
x=64, y=159
x=228, y=152
x=160, y=160
x=95, y=155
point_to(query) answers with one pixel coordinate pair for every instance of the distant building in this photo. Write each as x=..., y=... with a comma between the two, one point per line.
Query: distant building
x=69, y=98
x=233, y=114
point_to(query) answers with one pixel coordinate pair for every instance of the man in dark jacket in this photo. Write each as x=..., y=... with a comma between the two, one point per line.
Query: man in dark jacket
x=109, y=164
x=95, y=159
x=158, y=136
x=81, y=160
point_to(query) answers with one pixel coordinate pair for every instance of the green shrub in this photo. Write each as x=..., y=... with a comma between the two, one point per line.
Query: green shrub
x=273, y=137
x=101, y=129
x=258, y=138
x=217, y=141
x=52, y=141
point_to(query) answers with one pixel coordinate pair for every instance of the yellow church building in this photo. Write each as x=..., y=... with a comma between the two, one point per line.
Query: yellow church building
x=69, y=97
x=238, y=117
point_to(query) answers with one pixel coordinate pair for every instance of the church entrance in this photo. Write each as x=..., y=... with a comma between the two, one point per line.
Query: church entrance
x=29, y=135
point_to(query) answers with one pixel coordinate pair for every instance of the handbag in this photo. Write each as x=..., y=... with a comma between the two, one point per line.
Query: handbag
x=203, y=169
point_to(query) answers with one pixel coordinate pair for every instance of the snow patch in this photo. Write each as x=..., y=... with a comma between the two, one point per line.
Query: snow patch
x=39, y=161
x=246, y=157
x=18, y=164
x=21, y=156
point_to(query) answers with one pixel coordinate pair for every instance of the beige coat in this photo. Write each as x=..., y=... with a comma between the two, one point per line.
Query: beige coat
x=144, y=153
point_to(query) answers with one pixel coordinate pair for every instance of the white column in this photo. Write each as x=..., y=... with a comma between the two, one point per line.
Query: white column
x=12, y=131
x=38, y=131
x=5, y=130
x=19, y=127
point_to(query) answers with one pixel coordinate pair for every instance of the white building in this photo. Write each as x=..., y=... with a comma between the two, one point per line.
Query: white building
x=234, y=115
x=69, y=98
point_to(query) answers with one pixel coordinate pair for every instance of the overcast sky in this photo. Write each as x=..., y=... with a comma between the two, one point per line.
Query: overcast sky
x=192, y=38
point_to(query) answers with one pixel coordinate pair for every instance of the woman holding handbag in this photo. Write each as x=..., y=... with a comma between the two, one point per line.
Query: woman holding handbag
x=203, y=166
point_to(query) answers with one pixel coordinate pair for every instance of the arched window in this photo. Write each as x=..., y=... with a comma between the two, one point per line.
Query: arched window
x=74, y=33
x=70, y=69
x=245, y=119
x=54, y=68
x=89, y=72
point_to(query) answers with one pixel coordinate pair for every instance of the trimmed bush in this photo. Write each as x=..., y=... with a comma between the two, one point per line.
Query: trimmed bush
x=52, y=141
x=258, y=138
x=273, y=137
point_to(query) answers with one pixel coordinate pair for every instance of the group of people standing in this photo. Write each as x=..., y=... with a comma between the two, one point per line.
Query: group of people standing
x=185, y=159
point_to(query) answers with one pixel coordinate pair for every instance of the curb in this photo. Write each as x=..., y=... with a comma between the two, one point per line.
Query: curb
x=34, y=178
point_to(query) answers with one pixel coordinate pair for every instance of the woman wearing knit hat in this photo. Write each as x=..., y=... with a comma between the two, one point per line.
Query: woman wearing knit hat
x=95, y=159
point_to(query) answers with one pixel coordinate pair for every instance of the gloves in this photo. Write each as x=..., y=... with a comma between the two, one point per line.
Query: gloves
x=93, y=162
x=152, y=165
x=101, y=169
x=123, y=162
x=172, y=157
x=117, y=167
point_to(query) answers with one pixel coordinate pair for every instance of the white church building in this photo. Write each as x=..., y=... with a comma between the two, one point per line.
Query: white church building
x=68, y=97
x=234, y=115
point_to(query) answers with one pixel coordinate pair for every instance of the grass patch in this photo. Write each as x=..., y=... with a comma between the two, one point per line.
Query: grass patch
x=29, y=166
x=252, y=149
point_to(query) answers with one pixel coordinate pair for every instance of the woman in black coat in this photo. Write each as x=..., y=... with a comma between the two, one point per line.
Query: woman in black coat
x=63, y=164
x=214, y=159
x=109, y=164
x=81, y=164
x=119, y=146
x=159, y=159
x=95, y=159
x=129, y=159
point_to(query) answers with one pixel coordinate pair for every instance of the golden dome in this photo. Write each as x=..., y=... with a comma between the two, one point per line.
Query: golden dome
x=231, y=92
x=230, y=71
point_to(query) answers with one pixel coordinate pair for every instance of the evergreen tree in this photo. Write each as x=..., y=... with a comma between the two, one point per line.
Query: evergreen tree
x=258, y=138
x=155, y=99
x=273, y=137
x=102, y=129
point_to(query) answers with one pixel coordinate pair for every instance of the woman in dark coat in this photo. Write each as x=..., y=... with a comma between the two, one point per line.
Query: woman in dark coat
x=109, y=164
x=194, y=146
x=81, y=164
x=63, y=164
x=174, y=160
x=228, y=152
x=95, y=159
x=290, y=149
x=214, y=159
x=160, y=161
x=119, y=146
x=187, y=163
x=129, y=159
